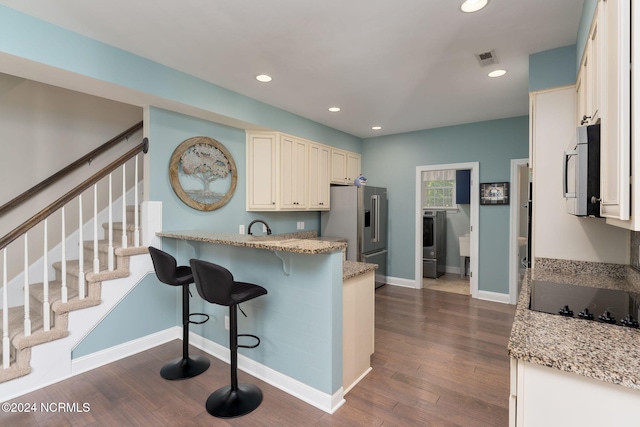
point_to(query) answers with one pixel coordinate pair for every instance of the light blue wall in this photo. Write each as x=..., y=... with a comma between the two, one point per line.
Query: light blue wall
x=166, y=131
x=150, y=307
x=391, y=161
x=36, y=40
x=552, y=68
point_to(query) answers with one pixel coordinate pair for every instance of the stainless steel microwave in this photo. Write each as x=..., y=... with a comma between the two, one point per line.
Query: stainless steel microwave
x=581, y=173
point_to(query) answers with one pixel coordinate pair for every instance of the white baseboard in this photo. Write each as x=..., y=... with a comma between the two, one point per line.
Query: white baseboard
x=326, y=402
x=103, y=357
x=493, y=296
x=405, y=283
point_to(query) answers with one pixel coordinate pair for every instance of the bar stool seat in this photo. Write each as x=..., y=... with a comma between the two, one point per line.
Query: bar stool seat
x=216, y=285
x=170, y=273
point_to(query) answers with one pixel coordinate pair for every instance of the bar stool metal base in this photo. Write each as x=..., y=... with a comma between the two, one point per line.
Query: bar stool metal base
x=182, y=368
x=226, y=403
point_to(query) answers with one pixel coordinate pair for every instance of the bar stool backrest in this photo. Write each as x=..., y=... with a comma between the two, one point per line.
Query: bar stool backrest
x=214, y=282
x=167, y=269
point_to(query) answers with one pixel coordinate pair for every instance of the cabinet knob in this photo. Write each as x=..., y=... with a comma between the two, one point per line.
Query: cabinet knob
x=585, y=119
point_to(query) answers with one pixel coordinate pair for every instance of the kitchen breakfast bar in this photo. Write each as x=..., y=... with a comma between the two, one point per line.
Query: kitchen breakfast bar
x=316, y=322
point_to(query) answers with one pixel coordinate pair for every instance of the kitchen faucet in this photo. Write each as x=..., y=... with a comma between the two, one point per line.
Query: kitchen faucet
x=259, y=220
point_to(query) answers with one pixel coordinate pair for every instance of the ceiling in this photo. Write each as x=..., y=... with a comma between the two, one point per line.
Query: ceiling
x=404, y=65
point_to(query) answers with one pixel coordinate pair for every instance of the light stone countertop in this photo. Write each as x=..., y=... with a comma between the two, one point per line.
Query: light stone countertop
x=301, y=242
x=603, y=352
x=351, y=269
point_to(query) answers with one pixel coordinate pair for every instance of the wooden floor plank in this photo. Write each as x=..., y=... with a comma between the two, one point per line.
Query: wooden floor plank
x=441, y=360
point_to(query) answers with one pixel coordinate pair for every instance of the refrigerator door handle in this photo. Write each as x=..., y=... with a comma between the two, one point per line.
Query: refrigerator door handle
x=375, y=210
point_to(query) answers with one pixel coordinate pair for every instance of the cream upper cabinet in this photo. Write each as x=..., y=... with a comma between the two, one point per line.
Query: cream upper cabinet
x=615, y=114
x=286, y=173
x=293, y=173
x=319, y=164
x=589, y=84
x=262, y=166
x=345, y=166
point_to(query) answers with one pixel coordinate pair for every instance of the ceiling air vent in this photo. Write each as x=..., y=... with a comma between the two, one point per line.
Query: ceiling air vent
x=487, y=58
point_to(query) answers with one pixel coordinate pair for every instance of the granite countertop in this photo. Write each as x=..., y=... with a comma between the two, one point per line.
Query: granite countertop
x=351, y=269
x=301, y=242
x=603, y=352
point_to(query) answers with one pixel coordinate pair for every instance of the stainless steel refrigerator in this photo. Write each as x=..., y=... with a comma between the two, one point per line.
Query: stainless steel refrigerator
x=359, y=214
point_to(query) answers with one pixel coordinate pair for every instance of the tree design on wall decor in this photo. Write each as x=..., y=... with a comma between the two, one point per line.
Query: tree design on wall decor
x=203, y=173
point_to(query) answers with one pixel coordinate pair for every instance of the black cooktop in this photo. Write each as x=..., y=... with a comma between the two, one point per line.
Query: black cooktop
x=611, y=306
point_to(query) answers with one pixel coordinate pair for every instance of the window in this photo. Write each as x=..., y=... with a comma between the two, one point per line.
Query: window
x=439, y=189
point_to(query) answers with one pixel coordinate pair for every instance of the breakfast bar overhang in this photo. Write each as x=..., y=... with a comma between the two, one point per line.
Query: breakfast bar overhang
x=299, y=321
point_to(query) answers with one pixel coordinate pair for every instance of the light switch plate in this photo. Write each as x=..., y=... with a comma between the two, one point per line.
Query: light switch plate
x=241, y=229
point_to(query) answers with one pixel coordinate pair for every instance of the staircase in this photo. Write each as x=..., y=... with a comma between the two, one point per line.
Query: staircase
x=91, y=285
x=38, y=313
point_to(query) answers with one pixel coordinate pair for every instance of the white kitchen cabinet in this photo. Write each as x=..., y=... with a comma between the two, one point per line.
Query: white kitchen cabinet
x=616, y=110
x=262, y=166
x=544, y=396
x=293, y=173
x=319, y=164
x=345, y=166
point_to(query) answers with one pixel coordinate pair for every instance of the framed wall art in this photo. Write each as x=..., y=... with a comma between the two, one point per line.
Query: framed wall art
x=496, y=193
x=203, y=173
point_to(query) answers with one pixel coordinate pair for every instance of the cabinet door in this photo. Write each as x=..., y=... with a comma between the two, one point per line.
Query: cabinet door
x=353, y=167
x=319, y=156
x=616, y=110
x=581, y=94
x=261, y=172
x=338, y=166
x=293, y=173
x=595, y=66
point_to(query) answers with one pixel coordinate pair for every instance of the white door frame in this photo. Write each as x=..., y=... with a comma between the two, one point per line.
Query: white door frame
x=474, y=220
x=513, y=229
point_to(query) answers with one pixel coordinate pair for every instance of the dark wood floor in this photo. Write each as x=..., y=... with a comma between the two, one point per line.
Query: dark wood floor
x=441, y=360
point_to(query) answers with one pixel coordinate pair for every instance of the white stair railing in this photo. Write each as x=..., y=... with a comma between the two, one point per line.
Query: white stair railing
x=61, y=250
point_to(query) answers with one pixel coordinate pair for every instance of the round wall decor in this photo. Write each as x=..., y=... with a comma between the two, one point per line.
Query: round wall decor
x=202, y=173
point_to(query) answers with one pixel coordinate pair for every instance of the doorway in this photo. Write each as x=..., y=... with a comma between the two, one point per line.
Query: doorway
x=474, y=167
x=518, y=220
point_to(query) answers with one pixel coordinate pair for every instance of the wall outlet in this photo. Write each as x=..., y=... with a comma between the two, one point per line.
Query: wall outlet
x=264, y=228
x=226, y=322
x=241, y=229
x=300, y=225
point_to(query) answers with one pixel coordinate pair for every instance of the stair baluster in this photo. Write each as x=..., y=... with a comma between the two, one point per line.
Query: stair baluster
x=96, y=260
x=27, y=316
x=80, y=251
x=124, y=205
x=110, y=227
x=6, y=355
x=46, y=308
x=136, y=219
x=63, y=268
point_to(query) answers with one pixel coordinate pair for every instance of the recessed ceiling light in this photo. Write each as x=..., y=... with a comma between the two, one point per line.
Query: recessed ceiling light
x=376, y=127
x=469, y=6
x=334, y=109
x=497, y=73
x=263, y=78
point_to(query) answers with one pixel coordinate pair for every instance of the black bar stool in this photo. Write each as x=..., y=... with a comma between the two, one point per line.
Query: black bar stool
x=216, y=285
x=170, y=273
